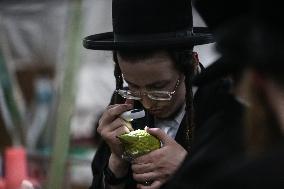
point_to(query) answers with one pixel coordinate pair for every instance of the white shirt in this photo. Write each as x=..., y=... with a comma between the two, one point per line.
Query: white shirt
x=170, y=127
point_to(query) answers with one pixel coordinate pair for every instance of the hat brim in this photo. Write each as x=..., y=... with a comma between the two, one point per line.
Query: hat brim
x=105, y=41
x=218, y=69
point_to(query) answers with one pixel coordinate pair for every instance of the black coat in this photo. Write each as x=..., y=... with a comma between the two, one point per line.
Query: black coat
x=101, y=158
x=264, y=171
x=218, y=138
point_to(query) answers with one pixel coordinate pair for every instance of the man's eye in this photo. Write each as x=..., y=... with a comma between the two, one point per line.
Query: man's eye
x=158, y=88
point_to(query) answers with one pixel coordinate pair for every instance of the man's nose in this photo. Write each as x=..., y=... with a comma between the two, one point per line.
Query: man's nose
x=147, y=102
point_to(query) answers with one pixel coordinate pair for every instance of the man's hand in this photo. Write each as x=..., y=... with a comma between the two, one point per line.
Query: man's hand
x=111, y=126
x=159, y=165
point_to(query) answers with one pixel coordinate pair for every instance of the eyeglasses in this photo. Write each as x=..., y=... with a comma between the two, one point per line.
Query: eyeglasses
x=153, y=95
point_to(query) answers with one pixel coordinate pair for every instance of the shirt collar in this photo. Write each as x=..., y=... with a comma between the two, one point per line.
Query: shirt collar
x=178, y=118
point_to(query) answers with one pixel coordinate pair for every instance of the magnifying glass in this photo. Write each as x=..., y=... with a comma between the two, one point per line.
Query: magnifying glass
x=133, y=114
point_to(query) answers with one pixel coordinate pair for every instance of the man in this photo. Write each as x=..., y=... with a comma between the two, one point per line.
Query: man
x=263, y=81
x=152, y=45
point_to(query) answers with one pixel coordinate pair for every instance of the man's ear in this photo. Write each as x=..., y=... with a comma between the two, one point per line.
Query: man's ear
x=196, y=63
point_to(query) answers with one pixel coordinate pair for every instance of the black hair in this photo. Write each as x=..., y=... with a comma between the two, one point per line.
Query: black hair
x=183, y=63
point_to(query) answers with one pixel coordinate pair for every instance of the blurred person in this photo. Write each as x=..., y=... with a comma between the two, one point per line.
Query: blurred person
x=264, y=82
x=152, y=46
x=260, y=47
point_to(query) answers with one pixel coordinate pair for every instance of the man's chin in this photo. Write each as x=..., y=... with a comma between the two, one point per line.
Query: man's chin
x=165, y=114
x=161, y=115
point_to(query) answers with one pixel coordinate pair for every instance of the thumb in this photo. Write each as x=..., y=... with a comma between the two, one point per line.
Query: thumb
x=160, y=134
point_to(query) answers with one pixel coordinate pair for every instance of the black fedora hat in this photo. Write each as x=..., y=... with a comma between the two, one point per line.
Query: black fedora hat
x=146, y=24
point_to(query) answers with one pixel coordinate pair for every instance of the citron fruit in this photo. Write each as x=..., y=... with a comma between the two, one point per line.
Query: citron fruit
x=138, y=142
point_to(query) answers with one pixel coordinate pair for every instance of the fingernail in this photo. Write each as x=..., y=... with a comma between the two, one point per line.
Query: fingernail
x=150, y=129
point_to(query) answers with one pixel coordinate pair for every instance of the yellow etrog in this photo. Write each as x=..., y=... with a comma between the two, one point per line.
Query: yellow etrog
x=138, y=142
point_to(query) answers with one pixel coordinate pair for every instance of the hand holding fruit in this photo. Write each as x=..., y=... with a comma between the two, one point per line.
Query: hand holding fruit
x=159, y=165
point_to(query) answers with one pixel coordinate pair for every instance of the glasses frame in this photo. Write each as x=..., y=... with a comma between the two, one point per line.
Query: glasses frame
x=138, y=95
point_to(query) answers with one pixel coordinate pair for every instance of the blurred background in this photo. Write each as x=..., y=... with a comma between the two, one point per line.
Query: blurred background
x=52, y=90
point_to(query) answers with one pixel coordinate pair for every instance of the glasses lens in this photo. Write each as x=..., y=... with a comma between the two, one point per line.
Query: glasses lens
x=159, y=95
x=128, y=95
x=155, y=95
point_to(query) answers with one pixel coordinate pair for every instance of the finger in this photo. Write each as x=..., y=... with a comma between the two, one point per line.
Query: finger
x=116, y=124
x=113, y=112
x=111, y=106
x=110, y=132
x=160, y=134
x=144, y=159
x=142, y=168
x=145, y=176
x=121, y=130
x=128, y=125
x=155, y=185
x=119, y=109
x=150, y=157
x=102, y=129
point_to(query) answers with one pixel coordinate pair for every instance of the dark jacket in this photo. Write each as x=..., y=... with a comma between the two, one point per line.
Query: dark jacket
x=103, y=153
x=264, y=171
x=217, y=140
